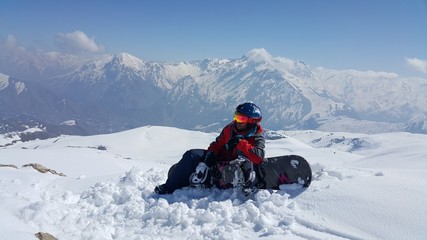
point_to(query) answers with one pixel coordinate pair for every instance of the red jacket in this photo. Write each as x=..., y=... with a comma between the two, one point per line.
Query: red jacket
x=251, y=146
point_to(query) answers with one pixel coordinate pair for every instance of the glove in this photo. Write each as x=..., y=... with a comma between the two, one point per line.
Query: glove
x=232, y=143
x=210, y=159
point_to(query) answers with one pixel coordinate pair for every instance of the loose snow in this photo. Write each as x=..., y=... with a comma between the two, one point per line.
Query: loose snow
x=376, y=190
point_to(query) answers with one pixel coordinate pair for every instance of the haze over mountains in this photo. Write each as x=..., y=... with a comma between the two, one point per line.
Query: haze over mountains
x=121, y=91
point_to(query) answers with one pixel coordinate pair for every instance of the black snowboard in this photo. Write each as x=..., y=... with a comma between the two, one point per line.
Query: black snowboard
x=289, y=169
x=272, y=173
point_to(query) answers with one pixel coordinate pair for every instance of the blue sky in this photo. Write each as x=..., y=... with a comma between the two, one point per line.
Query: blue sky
x=377, y=35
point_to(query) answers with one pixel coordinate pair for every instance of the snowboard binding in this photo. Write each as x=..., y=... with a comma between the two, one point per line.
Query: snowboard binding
x=199, y=178
x=242, y=176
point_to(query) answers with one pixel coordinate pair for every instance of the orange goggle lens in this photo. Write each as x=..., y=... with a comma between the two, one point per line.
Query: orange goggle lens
x=241, y=118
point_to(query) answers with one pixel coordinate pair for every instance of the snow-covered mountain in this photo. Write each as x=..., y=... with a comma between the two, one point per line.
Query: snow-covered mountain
x=121, y=91
x=116, y=92
x=101, y=187
x=20, y=97
x=293, y=95
x=28, y=104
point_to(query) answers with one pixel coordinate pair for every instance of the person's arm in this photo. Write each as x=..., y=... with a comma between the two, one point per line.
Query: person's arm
x=255, y=153
x=219, y=144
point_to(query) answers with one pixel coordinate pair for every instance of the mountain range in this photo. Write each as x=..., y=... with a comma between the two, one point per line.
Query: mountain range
x=121, y=91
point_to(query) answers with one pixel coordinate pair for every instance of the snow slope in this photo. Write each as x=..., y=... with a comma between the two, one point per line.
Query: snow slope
x=364, y=187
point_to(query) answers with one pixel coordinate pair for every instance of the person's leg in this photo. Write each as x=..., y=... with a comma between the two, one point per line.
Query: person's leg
x=179, y=178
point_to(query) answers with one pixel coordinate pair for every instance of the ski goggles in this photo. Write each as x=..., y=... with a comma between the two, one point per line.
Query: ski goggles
x=240, y=118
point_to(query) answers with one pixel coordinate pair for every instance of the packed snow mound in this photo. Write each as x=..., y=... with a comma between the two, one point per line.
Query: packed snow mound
x=108, y=192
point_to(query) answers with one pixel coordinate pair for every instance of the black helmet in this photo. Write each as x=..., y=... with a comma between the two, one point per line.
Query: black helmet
x=252, y=111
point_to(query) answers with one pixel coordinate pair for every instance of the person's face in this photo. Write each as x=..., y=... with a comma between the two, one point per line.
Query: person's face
x=241, y=121
x=241, y=126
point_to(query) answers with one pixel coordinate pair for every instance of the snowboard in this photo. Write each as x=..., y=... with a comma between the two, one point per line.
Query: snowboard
x=273, y=172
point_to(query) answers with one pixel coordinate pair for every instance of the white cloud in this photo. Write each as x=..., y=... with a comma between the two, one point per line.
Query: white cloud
x=10, y=49
x=31, y=62
x=11, y=41
x=78, y=41
x=417, y=64
x=11, y=44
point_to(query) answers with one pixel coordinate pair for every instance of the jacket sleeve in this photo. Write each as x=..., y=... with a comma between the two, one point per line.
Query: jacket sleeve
x=254, y=152
x=219, y=144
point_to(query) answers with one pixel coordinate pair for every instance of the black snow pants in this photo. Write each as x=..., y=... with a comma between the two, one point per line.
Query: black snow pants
x=180, y=177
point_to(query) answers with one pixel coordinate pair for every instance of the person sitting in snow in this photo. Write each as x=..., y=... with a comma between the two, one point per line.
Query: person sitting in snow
x=241, y=138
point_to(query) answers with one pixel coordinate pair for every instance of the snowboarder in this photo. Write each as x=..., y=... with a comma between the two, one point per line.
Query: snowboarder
x=242, y=138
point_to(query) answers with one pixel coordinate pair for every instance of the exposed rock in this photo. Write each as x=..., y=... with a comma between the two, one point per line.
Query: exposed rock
x=45, y=236
x=8, y=165
x=43, y=169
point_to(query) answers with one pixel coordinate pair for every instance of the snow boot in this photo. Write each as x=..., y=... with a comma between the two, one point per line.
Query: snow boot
x=161, y=189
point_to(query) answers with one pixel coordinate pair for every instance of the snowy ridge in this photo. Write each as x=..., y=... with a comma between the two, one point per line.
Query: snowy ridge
x=97, y=69
x=19, y=86
x=370, y=192
x=180, y=70
x=4, y=81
